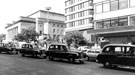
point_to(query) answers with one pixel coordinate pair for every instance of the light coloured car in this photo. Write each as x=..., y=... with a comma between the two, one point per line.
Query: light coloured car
x=93, y=53
x=84, y=49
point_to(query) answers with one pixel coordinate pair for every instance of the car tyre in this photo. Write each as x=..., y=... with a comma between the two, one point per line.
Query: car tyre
x=81, y=61
x=88, y=58
x=51, y=58
x=14, y=51
x=23, y=54
x=107, y=64
x=71, y=60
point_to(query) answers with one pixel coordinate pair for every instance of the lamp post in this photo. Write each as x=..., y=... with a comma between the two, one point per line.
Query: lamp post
x=47, y=20
x=48, y=8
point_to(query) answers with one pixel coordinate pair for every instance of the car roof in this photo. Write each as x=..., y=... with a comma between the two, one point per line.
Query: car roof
x=27, y=44
x=126, y=45
x=57, y=44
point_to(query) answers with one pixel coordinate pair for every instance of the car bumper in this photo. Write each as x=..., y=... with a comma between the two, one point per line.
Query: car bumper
x=80, y=59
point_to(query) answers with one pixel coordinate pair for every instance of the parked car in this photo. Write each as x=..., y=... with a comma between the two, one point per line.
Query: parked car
x=93, y=53
x=61, y=51
x=3, y=47
x=84, y=48
x=12, y=48
x=117, y=54
x=32, y=49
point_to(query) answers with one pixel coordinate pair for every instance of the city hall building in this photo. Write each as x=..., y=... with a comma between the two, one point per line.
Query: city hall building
x=79, y=16
x=48, y=24
x=19, y=26
x=114, y=21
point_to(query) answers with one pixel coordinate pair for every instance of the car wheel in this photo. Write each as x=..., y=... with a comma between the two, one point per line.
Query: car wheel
x=42, y=56
x=23, y=54
x=88, y=58
x=14, y=51
x=81, y=61
x=51, y=58
x=107, y=64
x=71, y=60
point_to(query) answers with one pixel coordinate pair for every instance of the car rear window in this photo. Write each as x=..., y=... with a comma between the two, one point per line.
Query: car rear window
x=119, y=49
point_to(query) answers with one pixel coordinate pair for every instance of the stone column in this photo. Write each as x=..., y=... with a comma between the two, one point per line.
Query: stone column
x=37, y=27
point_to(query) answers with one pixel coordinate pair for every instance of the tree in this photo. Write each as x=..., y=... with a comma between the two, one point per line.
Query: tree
x=75, y=38
x=27, y=35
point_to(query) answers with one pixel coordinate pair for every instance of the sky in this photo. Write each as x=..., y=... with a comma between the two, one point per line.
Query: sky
x=11, y=10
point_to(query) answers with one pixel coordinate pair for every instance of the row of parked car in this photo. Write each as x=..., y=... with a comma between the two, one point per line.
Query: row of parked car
x=53, y=51
x=112, y=55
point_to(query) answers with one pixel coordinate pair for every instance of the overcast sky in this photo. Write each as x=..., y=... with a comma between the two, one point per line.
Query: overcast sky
x=10, y=10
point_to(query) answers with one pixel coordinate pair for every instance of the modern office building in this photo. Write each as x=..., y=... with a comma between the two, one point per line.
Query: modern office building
x=79, y=16
x=49, y=24
x=19, y=26
x=114, y=21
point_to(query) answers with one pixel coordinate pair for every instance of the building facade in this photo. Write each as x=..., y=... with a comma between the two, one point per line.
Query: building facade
x=79, y=16
x=19, y=26
x=50, y=25
x=114, y=21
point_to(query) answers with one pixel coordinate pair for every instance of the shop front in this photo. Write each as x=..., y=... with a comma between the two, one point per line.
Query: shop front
x=119, y=35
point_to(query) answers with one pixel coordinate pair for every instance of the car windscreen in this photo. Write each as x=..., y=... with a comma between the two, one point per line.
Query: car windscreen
x=27, y=46
x=58, y=47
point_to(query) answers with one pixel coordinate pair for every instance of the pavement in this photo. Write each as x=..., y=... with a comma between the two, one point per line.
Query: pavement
x=17, y=65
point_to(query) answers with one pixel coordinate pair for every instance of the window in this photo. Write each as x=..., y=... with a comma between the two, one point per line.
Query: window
x=114, y=22
x=106, y=7
x=90, y=20
x=114, y=5
x=132, y=2
x=123, y=21
x=99, y=8
x=123, y=4
x=53, y=30
x=132, y=20
x=107, y=24
x=53, y=25
x=40, y=32
x=99, y=25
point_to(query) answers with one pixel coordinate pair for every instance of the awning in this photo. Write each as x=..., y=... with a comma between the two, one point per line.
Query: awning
x=112, y=30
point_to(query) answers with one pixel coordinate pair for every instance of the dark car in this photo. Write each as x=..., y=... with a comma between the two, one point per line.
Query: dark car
x=12, y=48
x=8, y=48
x=117, y=55
x=3, y=48
x=32, y=50
x=60, y=51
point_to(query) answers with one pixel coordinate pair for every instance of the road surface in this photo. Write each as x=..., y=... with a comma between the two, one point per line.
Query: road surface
x=17, y=65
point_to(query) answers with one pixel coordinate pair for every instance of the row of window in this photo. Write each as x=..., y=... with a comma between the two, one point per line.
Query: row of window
x=58, y=25
x=113, y=5
x=12, y=32
x=69, y=2
x=80, y=22
x=54, y=25
x=80, y=14
x=58, y=31
x=115, y=22
x=79, y=6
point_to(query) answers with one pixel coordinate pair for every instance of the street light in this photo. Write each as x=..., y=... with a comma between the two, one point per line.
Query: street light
x=48, y=8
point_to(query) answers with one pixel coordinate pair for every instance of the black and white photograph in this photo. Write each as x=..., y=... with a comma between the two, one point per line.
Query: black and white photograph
x=67, y=37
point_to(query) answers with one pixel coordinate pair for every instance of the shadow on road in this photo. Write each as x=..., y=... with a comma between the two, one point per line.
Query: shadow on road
x=120, y=69
x=66, y=61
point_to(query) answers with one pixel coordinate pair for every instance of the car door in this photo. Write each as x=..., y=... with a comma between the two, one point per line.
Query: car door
x=122, y=57
x=132, y=57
